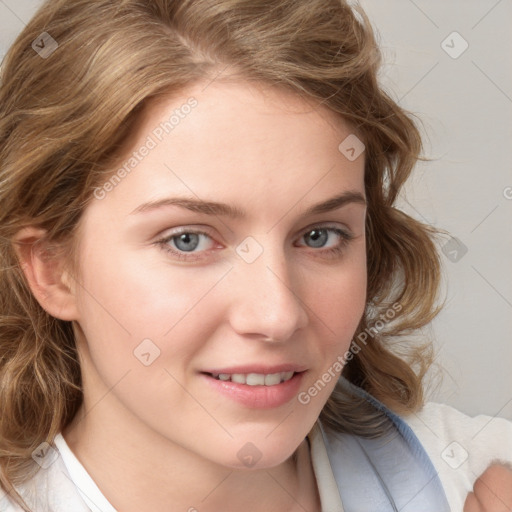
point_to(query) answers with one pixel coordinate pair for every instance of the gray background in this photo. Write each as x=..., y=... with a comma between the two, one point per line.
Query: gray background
x=464, y=101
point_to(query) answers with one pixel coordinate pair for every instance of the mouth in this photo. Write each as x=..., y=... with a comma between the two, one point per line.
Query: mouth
x=266, y=390
x=254, y=379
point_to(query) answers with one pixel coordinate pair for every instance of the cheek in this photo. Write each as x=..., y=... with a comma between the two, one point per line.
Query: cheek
x=125, y=299
x=339, y=300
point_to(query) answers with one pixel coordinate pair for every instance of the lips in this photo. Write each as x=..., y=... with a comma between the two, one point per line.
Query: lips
x=257, y=396
x=257, y=386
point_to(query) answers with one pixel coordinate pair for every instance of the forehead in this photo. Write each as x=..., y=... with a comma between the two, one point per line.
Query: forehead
x=251, y=144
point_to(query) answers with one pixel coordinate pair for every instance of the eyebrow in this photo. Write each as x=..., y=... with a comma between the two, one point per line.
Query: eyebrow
x=235, y=212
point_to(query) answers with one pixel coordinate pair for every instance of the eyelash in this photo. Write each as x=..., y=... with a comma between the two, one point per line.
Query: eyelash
x=346, y=237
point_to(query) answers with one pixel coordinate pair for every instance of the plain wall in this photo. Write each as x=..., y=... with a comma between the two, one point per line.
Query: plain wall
x=464, y=101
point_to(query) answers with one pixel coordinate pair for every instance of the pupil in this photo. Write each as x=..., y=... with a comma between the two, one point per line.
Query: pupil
x=318, y=237
x=185, y=239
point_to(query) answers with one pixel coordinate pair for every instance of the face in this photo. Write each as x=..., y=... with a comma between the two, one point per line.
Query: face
x=215, y=290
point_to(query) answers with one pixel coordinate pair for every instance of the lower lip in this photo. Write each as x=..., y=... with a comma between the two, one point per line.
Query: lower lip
x=258, y=397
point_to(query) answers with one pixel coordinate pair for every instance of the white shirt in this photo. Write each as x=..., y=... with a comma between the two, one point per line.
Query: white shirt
x=460, y=448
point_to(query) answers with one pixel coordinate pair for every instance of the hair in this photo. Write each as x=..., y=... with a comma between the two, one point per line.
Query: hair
x=64, y=119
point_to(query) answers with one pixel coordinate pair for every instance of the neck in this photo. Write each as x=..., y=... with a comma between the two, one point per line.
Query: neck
x=138, y=469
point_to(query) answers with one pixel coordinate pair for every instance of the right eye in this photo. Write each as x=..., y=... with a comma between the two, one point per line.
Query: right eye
x=185, y=242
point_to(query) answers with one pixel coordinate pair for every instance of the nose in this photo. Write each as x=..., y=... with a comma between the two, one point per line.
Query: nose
x=265, y=302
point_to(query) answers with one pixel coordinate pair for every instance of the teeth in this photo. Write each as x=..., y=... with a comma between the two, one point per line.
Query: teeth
x=256, y=379
x=238, y=377
x=272, y=379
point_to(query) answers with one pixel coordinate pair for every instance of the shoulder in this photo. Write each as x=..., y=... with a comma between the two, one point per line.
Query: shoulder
x=460, y=446
x=477, y=435
x=48, y=489
x=6, y=505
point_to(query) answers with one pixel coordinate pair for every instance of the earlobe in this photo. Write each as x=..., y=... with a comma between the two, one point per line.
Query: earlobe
x=44, y=268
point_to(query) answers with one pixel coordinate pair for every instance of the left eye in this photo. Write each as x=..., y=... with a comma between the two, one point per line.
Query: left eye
x=318, y=237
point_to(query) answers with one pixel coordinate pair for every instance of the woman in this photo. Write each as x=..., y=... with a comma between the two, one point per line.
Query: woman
x=203, y=268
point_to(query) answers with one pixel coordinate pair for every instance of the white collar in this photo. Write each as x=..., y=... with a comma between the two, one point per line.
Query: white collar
x=96, y=501
x=85, y=485
x=327, y=486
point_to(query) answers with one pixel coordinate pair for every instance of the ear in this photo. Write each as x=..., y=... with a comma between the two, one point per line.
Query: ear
x=45, y=270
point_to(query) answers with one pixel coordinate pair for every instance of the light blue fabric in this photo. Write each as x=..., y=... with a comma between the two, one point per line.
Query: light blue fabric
x=387, y=474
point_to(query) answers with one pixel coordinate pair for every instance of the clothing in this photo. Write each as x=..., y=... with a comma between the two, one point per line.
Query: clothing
x=461, y=447
x=427, y=462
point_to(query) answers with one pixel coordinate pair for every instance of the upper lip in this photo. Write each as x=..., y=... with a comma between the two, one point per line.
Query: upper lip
x=258, y=368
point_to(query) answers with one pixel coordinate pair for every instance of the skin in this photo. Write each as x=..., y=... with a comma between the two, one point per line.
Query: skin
x=158, y=434
x=492, y=491
x=274, y=155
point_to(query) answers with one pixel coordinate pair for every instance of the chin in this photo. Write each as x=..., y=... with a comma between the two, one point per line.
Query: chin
x=260, y=451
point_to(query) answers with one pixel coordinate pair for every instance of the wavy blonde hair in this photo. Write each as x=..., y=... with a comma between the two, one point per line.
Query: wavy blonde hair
x=63, y=120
